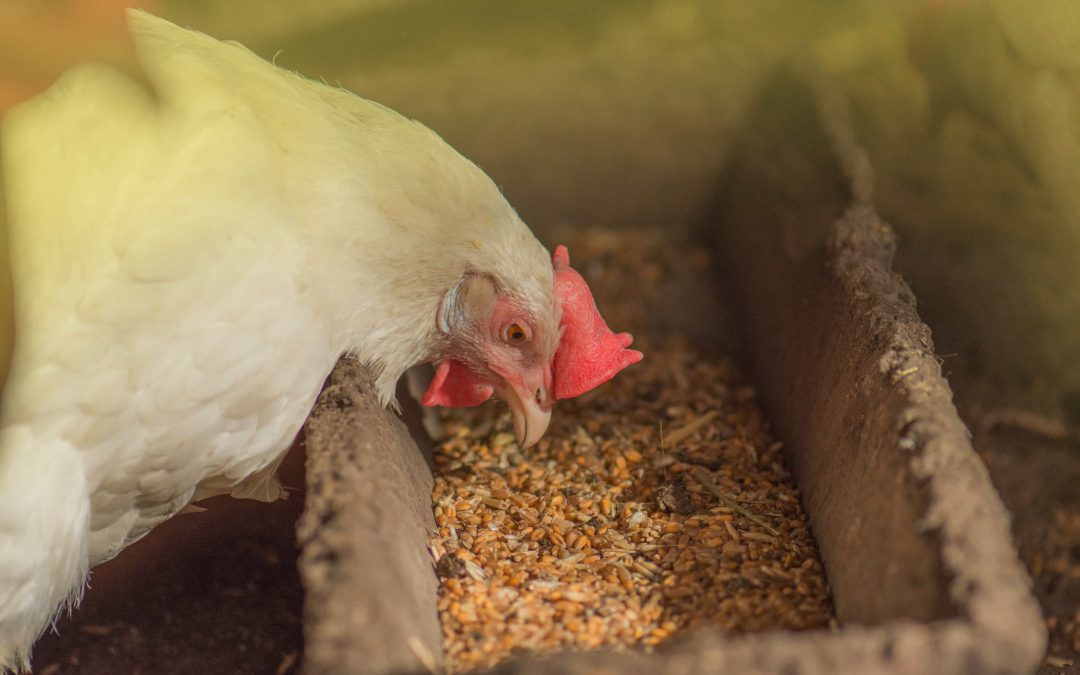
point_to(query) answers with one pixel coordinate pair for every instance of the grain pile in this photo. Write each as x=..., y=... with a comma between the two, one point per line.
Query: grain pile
x=656, y=504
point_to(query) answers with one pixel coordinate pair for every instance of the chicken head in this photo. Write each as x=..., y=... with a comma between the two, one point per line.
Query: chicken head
x=497, y=346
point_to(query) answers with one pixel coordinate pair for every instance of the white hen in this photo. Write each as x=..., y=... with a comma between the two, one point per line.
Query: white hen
x=187, y=270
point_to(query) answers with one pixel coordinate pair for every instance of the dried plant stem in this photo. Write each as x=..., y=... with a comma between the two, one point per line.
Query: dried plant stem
x=680, y=435
x=706, y=482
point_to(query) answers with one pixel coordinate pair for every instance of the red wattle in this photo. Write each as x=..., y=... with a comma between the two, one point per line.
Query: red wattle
x=589, y=353
x=455, y=386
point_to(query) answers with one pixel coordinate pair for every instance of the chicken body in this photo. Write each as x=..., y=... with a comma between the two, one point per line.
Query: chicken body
x=187, y=270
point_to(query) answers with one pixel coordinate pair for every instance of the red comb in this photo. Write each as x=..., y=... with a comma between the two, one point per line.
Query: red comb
x=589, y=353
x=455, y=386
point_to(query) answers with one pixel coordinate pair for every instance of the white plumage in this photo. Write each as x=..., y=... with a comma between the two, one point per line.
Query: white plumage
x=188, y=269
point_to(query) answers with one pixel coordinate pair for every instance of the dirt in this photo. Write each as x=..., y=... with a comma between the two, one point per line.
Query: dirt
x=212, y=592
x=1049, y=529
x=1037, y=473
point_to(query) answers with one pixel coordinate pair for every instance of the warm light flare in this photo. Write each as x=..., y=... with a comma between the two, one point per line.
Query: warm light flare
x=41, y=40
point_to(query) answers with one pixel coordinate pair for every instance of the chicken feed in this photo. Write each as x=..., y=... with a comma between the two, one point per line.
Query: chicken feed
x=658, y=504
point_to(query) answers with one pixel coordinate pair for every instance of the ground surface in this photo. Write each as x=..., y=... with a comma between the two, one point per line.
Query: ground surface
x=1039, y=477
x=214, y=592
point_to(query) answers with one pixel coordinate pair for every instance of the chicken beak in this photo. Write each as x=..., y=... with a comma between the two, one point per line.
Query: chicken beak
x=531, y=417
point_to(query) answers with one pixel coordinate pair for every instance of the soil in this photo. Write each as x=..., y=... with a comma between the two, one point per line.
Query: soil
x=1037, y=473
x=1051, y=547
x=211, y=592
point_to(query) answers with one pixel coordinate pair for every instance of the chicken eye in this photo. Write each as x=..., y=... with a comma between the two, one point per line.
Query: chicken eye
x=514, y=333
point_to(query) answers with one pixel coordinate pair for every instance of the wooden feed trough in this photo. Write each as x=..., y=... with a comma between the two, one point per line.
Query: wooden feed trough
x=914, y=540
